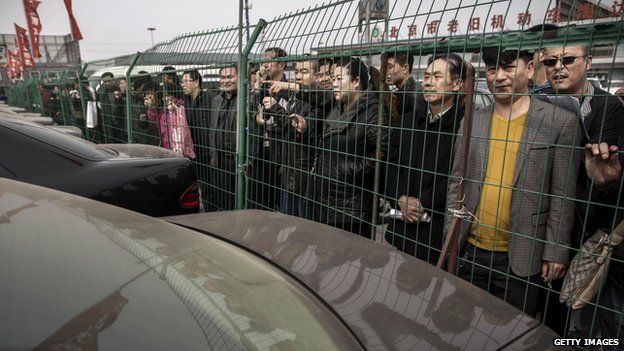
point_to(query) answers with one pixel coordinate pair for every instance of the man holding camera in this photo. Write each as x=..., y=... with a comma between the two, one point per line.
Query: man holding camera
x=266, y=148
x=295, y=119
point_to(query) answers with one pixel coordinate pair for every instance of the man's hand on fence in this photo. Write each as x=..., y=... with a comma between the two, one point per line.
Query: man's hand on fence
x=411, y=208
x=602, y=164
x=277, y=86
x=260, y=118
x=552, y=271
x=299, y=123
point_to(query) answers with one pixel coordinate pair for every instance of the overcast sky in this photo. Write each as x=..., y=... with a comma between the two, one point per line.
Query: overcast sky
x=116, y=27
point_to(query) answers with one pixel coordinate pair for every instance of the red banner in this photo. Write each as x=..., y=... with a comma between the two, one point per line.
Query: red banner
x=72, y=21
x=14, y=64
x=10, y=66
x=34, y=24
x=22, y=45
x=19, y=67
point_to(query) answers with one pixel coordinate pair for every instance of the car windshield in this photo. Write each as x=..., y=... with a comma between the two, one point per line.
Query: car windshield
x=148, y=284
x=71, y=144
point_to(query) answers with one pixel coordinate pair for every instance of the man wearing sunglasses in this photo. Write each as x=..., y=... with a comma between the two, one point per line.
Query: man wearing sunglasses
x=601, y=117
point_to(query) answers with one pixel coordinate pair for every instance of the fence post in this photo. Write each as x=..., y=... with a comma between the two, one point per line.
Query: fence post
x=129, y=97
x=59, y=83
x=241, y=105
x=28, y=106
x=378, y=160
x=83, y=101
x=39, y=87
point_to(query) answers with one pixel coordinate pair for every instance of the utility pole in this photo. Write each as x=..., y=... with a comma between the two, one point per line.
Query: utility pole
x=247, y=8
x=151, y=30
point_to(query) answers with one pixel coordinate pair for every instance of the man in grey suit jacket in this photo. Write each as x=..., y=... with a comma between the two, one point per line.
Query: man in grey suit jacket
x=519, y=187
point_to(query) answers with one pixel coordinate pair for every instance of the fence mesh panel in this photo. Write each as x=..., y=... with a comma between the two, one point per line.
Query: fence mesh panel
x=438, y=115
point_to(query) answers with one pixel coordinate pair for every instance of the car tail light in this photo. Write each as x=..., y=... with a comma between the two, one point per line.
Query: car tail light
x=190, y=197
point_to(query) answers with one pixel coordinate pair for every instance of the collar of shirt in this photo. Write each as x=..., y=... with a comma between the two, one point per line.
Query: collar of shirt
x=432, y=118
x=224, y=95
x=540, y=88
x=585, y=102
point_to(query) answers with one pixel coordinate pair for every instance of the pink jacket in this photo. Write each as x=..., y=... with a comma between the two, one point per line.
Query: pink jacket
x=174, y=131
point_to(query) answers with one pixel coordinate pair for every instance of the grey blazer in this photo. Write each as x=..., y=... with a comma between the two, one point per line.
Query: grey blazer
x=542, y=207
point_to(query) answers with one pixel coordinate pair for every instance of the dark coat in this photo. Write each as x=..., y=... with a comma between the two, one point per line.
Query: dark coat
x=198, y=114
x=106, y=113
x=214, y=126
x=344, y=170
x=425, y=156
x=604, y=124
x=408, y=98
x=320, y=98
x=408, y=107
x=297, y=150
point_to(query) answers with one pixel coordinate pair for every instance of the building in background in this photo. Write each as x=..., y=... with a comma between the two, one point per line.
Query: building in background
x=58, y=53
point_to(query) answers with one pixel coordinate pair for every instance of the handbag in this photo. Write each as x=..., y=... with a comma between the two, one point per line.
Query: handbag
x=589, y=268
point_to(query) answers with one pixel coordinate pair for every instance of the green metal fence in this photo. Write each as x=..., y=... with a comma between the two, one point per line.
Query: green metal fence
x=55, y=94
x=319, y=115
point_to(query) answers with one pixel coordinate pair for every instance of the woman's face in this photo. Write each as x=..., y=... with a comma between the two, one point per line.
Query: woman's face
x=345, y=88
x=149, y=99
x=170, y=101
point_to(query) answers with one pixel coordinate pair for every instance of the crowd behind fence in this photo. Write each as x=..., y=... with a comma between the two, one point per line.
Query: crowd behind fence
x=501, y=136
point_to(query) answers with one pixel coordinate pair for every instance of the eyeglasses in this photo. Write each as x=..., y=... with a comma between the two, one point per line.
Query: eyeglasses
x=568, y=60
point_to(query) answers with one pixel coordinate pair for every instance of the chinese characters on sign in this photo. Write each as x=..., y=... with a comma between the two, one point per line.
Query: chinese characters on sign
x=498, y=22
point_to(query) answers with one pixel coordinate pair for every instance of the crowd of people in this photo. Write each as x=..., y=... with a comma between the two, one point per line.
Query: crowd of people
x=542, y=172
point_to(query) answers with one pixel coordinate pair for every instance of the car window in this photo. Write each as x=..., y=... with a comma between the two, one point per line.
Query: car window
x=71, y=144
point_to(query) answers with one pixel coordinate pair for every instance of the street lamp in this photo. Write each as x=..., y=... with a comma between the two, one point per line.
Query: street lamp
x=152, y=29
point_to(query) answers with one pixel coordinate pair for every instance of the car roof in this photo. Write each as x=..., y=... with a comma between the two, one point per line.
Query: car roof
x=82, y=274
x=79, y=147
x=392, y=301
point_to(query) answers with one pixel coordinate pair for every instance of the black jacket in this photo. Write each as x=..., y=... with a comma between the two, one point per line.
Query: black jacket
x=198, y=119
x=297, y=150
x=408, y=98
x=344, y=170
x=213, y=130
x=604, y=124
x=409, y=103
x=425, y=157
x=320, y=98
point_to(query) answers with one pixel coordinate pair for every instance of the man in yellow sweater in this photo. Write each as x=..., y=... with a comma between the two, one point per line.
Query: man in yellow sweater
x=519, y=187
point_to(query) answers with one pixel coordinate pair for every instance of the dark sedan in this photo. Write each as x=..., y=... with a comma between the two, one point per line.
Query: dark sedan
x=78, y=274
x=143, y=178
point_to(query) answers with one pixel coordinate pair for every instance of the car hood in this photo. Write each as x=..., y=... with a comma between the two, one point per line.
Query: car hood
x=391, y=301
x=79, y=274
x=140, y=150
